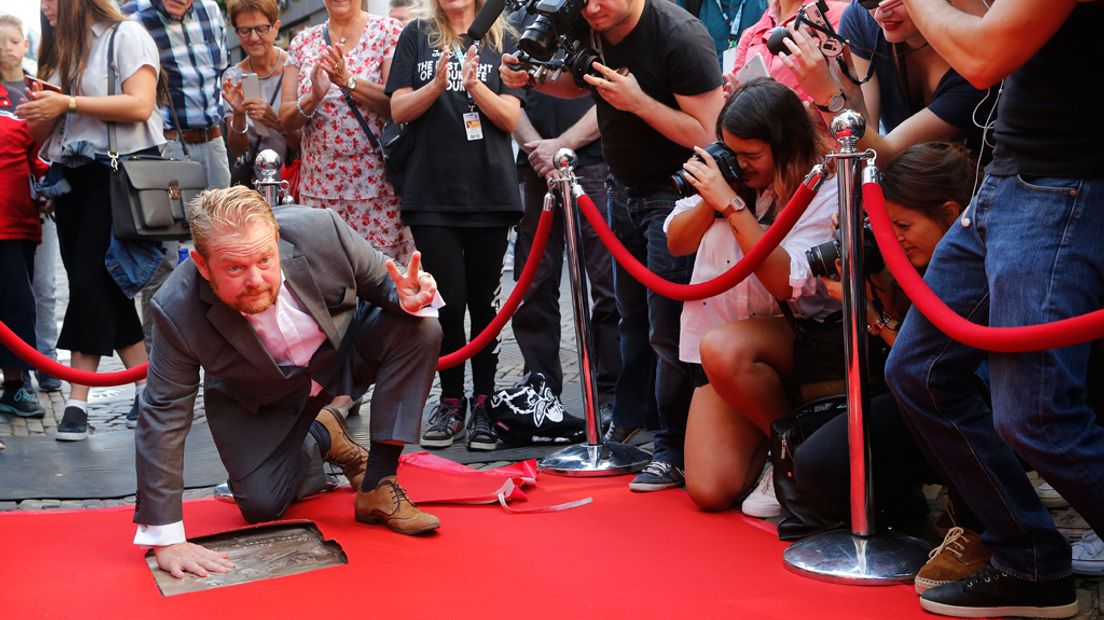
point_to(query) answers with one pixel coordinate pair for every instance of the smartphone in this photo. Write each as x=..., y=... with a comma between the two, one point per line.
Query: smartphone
x=753, y=69
x=251, y=87
x=32, y=81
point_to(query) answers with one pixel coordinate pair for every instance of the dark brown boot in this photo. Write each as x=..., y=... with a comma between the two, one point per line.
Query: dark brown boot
x=346, y=453
x=389, y=505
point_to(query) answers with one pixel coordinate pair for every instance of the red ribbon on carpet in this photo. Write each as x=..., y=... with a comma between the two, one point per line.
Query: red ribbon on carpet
x=1066, y=332
x=710, y=288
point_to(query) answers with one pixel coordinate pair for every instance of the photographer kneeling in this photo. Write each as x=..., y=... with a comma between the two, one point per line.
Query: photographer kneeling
x=746, y=346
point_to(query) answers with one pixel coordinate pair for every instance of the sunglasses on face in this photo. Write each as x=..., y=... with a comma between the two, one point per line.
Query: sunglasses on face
x=261, y=30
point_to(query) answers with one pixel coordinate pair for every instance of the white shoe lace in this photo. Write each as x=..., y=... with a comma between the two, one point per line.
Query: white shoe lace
x=955, y=536
x=657, y=468
x=1089, y=546
x=765, y=487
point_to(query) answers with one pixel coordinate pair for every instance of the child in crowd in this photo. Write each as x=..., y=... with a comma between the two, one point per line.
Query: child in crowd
x=740, y=337
x=20, y=229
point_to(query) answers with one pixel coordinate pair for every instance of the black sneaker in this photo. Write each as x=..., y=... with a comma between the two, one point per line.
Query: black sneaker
x=446, y=423
x=991, y=593
x=74, y=425
x=132, y=415
x=21, y=402
x=48, y=383
x=617, y=434
x=481, y=435
x=658, y=476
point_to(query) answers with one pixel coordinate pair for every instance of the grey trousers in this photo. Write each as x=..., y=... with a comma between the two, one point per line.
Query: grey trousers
x=398, y=354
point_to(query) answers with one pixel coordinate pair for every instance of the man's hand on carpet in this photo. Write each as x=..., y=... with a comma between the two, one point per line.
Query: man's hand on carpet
x=189, y=557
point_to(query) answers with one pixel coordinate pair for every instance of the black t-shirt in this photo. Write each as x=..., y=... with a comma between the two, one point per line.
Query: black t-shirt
x=551, y=116
x=669, y=51
x=1048, y=117
x=450, y=180
x=954, y=100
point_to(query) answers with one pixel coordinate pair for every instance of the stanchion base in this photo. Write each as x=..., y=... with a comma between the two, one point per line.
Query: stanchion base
x=607, y=459
x=839, y=556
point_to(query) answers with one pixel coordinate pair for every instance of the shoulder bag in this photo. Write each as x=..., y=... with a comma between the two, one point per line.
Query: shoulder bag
x=149, y=194
x=393, y=150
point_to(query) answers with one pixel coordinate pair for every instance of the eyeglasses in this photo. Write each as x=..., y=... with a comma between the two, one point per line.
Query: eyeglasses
x=261, y=30
x=884, y=4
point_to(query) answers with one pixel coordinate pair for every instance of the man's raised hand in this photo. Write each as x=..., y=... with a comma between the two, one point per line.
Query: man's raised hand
x=191, y=558
x=416, y=288
x=620, y=90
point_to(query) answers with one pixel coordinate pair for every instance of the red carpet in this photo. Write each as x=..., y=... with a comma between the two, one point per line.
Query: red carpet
x=624, y=555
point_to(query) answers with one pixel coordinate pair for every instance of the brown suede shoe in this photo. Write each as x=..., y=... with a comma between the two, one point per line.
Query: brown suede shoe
x=960, y=555
x=346, y=453
x=389, y=505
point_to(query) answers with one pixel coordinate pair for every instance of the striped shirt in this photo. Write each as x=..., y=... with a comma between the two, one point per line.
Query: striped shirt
x=193, y=56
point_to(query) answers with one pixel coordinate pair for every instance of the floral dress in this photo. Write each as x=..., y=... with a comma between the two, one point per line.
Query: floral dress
x=341, y=169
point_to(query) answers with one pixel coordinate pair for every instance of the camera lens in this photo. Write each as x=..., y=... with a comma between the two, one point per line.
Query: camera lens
x=775, y=39
x=726, y=163
x=822, y=259
x=539, y=39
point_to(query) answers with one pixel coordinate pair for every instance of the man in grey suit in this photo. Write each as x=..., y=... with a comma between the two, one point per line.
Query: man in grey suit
x=273, y=356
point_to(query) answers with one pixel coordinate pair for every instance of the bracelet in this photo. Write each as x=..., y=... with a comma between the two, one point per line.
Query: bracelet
x=884, y=322
x=240, y=132
x=72, y=105
x=299, y=106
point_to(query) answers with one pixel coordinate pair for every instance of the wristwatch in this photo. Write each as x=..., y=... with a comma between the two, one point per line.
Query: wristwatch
x=835, y=104
x=351, y=83
x=734, y=205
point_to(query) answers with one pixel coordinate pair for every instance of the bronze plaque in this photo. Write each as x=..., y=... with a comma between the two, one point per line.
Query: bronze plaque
x=258, y=552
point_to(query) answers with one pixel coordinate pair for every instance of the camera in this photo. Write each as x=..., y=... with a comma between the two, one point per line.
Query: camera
x=726, y=161
x=552, y=43
x=813, y=15
x=822, y=258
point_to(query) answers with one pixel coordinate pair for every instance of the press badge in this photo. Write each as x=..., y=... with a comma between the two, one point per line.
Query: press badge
x=473, y=126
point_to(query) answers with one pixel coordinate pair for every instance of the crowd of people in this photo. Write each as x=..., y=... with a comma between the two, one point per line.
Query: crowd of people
x=295, y=314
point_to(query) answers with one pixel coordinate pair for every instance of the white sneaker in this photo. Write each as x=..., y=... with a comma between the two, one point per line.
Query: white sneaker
x=1071, y=524
x=1050, y=497
x=1088, y=555
x=761, y=502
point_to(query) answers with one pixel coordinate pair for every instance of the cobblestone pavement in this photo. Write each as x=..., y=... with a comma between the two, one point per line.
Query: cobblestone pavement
x=108, y=407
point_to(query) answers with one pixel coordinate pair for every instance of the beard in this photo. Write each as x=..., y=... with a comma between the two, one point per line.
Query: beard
x=255, y=301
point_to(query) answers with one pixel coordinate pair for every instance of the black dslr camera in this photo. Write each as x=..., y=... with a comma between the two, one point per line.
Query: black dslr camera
x=822, y=258
x=815, y=16
x=726, y=161
x=553, y=42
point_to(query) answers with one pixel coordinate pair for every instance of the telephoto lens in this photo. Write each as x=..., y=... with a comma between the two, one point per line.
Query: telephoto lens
x=726, y=162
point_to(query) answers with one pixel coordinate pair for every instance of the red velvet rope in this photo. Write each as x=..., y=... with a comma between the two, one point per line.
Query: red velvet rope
x=710, y=288
x=81, y=377
x=1066, y=332
x=540, y=239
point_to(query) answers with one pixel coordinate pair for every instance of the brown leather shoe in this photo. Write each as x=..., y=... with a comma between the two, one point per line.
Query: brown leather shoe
x=389, y=505
x=960, y=555
x=346, y=453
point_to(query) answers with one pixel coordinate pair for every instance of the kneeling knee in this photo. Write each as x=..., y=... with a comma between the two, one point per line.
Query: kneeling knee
x=257, y=511
x=709, y=497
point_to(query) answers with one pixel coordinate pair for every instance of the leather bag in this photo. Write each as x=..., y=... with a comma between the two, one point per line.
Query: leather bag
x=149, y=194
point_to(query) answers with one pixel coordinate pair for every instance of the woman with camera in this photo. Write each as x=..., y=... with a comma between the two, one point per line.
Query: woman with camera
x=912, y=91
x=926, y=187
x=461, y=196
x=740, y=338
x=257, y=23
x=74, y=120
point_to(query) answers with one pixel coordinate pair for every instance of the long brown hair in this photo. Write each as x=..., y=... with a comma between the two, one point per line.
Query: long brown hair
x=925, y=177
x=765, y=110
x=64, y=49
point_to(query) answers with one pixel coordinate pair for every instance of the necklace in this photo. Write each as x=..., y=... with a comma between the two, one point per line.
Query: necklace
x=275, y=66
x=343, y=40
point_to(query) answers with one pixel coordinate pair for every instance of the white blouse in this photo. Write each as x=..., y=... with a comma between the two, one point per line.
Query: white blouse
x=719, y=251
x=134, y=49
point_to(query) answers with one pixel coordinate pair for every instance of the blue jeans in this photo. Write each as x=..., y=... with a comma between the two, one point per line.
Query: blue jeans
x=1034, y=253
x=649, y=327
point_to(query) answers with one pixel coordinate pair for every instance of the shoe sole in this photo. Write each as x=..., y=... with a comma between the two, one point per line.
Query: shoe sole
x=67, y=436
x=482, y=446
x=923, y=585
x=1085, y=570
x=132, y=423
x=649, y=487
x=1072, y=535
x=22, y=414
x=759, y=513
x=440, y=443
x=375, y=521
x=1029, y=611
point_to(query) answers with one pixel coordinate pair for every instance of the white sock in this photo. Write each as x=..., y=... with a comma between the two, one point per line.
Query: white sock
x=79, y=404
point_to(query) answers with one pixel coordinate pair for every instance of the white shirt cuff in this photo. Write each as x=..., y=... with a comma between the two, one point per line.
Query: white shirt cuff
x=160, y=535
x=430, y=311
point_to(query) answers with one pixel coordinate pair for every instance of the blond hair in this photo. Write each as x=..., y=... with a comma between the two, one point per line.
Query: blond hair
x=229, y=210
x=440, y=32
x=13, y=21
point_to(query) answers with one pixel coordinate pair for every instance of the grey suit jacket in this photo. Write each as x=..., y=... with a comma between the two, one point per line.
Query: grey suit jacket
x=251, y=403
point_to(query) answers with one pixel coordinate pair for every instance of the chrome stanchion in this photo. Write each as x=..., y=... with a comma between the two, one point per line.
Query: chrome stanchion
x=861, y=556
x=266, y=170
x=593, y=458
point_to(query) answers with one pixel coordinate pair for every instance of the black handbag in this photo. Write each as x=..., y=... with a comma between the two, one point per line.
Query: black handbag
x=801, y=515
x=149, y=194
x=390, y=144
